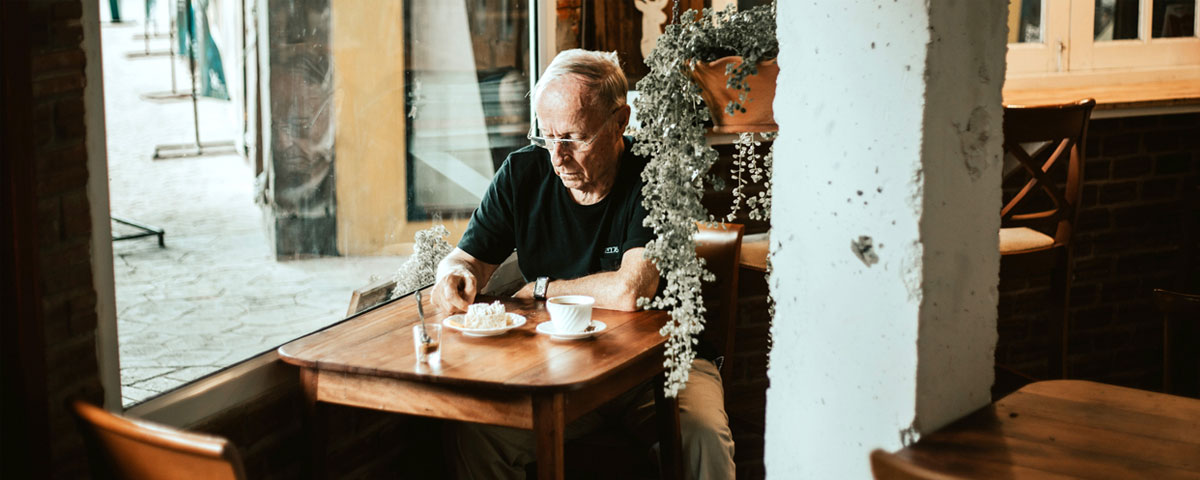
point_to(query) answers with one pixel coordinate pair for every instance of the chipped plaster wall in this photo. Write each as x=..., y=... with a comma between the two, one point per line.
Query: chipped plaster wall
x=885, y=272
x=962, y=160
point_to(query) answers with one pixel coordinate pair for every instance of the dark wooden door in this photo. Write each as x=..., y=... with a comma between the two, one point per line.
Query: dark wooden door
x=618, y=26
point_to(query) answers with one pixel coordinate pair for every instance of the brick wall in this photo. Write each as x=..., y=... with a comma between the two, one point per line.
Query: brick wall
x=64, y=223
x=1136, y=232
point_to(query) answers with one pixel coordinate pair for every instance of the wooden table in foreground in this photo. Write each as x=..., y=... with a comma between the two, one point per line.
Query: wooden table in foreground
x=1069, y=429
x=521, y=379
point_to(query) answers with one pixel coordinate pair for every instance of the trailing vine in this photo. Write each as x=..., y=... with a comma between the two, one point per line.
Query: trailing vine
x=672, y=136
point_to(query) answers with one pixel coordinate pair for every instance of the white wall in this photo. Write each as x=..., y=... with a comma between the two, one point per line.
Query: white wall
x=102, y=253
x=962, y=165
x=861, y=348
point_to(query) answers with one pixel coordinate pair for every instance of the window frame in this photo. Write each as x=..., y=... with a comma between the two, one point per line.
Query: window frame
x=1043, y=57
x=1071, y=22
x=1143, y=52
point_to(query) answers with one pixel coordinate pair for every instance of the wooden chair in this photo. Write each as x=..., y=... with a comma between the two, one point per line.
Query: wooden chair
x=1037, y=223
x=125, y=448
x=889, y=466
x=1181, y=341
x=375, y=293
x=721, y=248
x=612, y=453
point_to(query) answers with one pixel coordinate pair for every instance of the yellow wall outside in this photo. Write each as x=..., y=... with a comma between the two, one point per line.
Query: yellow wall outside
x=1014, y=20
x=367, y=41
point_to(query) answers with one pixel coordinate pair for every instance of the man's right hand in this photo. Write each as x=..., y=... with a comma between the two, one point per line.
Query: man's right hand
x=455, y=291
x=460, y=277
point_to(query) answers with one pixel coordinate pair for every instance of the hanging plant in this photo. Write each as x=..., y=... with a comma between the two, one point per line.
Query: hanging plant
x=674, y=115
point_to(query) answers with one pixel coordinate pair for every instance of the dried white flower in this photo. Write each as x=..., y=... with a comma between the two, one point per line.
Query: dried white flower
x=420, y=270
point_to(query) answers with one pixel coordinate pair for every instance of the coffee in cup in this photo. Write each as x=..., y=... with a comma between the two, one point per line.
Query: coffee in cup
x=570, y=313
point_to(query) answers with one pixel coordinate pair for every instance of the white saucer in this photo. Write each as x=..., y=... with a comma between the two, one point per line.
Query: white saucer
x=548, y=329
x=454, y=322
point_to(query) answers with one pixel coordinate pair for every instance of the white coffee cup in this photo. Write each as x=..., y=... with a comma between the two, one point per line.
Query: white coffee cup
x=570, y=313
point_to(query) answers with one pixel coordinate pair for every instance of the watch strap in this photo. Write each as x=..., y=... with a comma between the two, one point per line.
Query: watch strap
x=539, y=287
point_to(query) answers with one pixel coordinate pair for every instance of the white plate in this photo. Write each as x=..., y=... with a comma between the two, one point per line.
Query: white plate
x=548, y=329
x=454, y=322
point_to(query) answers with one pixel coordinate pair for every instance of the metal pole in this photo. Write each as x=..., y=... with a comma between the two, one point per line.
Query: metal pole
x=146, y=33
x=192, y=66
x=172, y=56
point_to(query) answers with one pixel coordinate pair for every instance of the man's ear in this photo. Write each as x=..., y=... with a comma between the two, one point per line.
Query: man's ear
x=623, y=114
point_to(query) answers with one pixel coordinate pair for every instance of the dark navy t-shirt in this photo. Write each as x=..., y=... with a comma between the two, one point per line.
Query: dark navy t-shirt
x=528, y=209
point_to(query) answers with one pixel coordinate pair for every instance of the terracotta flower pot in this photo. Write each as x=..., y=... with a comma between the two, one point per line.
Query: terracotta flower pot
x=759, y=116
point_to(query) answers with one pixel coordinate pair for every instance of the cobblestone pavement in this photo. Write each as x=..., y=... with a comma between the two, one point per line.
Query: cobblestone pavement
x=215, y=295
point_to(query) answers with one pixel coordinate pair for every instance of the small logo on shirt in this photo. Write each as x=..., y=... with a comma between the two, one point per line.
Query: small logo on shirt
x=612, y=249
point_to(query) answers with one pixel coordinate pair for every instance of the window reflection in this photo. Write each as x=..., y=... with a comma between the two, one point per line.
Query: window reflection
x=1025, y=21
x=468, y=79
x=1173, y=18
x=1116, y=20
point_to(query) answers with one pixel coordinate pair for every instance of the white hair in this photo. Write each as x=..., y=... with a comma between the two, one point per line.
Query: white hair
x=600, y=71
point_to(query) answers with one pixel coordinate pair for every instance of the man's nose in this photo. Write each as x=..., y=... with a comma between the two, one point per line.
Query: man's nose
x=558, y=150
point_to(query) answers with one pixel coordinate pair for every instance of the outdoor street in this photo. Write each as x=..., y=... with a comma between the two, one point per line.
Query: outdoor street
x=215, y=295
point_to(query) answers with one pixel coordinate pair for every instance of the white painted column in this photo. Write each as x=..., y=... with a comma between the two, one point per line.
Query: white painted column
x=97, y=188
x=889, y=150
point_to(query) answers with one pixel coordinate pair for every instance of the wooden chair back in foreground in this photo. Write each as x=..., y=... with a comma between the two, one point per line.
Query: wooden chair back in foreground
x=1181, y=341
x=889, y=466
x=125, y=448
x=721, y=248
x=1039, y=217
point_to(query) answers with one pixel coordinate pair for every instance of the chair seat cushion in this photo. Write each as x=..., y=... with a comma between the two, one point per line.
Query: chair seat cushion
x=1023, y=240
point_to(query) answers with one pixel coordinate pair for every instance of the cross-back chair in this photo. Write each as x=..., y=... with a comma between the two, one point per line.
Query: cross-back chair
x=126, y=448
x=1037, y=222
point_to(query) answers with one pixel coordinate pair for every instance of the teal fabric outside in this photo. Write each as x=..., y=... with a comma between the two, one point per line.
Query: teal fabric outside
x=192, y=29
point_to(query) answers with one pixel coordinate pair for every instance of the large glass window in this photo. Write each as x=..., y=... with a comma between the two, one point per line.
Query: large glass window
x=355, y=122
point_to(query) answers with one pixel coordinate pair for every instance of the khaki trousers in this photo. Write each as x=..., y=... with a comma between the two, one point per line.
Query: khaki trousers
x=493, y=452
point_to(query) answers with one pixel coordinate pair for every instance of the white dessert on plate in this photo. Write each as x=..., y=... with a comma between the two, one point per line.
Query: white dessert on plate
x=483, y=315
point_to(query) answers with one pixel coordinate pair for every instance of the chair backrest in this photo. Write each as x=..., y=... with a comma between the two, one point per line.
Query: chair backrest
x=889, y=466
x=371, y=295
x=1060, y=134
x=720, y=247
x=133, y=449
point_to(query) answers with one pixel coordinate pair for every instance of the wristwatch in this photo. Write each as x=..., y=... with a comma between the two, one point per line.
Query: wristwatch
x=539, y=287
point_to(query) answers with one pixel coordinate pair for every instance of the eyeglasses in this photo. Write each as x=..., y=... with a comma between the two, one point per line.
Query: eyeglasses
x=568, y=144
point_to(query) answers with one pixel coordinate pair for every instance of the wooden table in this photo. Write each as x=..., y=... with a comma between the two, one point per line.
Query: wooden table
x=521, y=379
x=1069, y=429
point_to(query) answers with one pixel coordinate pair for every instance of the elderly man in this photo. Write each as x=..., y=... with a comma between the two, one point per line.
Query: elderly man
x=571, y=206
